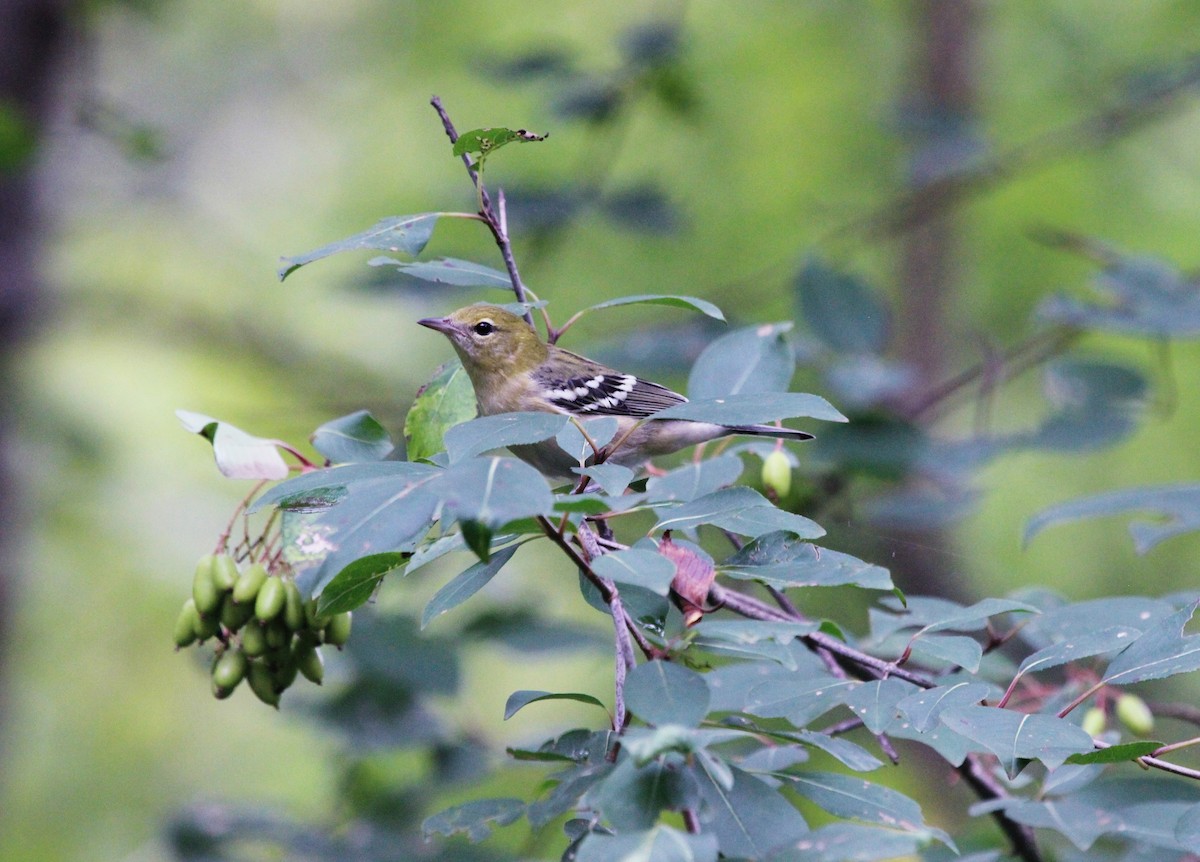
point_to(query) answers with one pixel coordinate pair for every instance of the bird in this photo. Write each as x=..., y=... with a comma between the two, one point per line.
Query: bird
x=513, y=370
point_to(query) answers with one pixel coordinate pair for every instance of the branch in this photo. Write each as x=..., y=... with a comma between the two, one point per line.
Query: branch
x=495, y=221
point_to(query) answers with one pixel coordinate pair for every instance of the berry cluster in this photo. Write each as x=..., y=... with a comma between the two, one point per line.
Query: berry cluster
x=266, y=633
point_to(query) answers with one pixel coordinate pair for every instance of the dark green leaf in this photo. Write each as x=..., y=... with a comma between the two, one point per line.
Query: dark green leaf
x=740, y=510
x=355, y=584
x=1179, y=505
x=1117, y=753
x=1161, y=652
x=465, y=585
x=474, y=818
x=850, y=797
x=661, y=693
x=405, y=234
x=450, y=271
x=518, y=700
x=478, y=537
x=1078, y=620
x=572, y=785
x=746, y=361
x=239, y=455
x=631, y=796
x=445, y=401
x=842, y=310
x=643, y=208
x=754, y=408
x=695, y=479
x=1015, y=737
x=493, y=491
x=483, y=142
x=352, y=439
x=660, y=844
x=690, y=302
x=506, y=429
x=749, y=818
x=635, y=566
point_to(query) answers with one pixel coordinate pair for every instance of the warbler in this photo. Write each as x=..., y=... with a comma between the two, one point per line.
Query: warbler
x=512, y=370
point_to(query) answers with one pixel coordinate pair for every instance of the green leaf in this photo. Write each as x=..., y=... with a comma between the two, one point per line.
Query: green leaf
x=478, y=537
x=955, y=649
x=741, y=510
x=691, y=302
x=405, y=234
x=660, y=844
x=875, y=702
x=800, y=697
x=1177, y=506
x=449, y=271
x=465, y=584
x=1015, y=737
x=613, y=479
x=445, y=401
x=1082, y=619
x=639, y=567
x=1084, y=646
x=853, y=756
x=851, y=797
x=1117, y=753
x=493, y=491
x=746, y=361
x=506, y=429
x=842, y=842
x=353, y=438
x=239, y=455
x=1161, y=652
x=484, y=142
x=842, y=310
x=695, y=479
x=754, y=408
x=355, y=584
x=474, y=818
x=924, y=707
x=749, y=818
x=518, y=700
x=601, y=430
x=662, y=693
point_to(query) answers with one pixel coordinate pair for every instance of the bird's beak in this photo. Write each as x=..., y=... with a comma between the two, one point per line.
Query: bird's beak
x=441, y=324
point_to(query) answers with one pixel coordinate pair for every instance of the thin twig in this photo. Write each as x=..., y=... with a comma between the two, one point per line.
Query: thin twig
x=986, y=787
x=494, y=221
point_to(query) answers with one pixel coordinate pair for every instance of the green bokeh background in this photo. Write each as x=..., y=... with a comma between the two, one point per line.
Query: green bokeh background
x=287, y=124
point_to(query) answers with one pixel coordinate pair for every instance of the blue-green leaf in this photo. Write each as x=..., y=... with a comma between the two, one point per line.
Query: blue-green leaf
x=741, y=510
x=1015, y=737
x=493, y=491
x=701, y=305
x=320, y=489
x=841, y=309
x=639, y=567
x=613, y=479
x=746, y=361
x=924, y=707
x=851, y=797
x=875, y=702
x=405, y=234
x=465, y=585
x=799, y=697
x=351, y=439
x=1177, y=508
x=518, y=700
x=1162, y=651
x=449, y=271
x=754, y=408
x=660, y=844
x=662, y=693
x=749, y=818
x=632, y=795
x=505, y=429
x=782, y=560
x=474, y=818
x=695, y=479
x=841, y=842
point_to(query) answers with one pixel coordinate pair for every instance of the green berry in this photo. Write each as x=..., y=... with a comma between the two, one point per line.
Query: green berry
x=224, y=572
x=233, y=615
x=777, y=473
x=1094, y=721
x=207, y=626
x=337, y=632
x=293, y=607
x=309, y=662
x=204, y=590
x=249, y=582
x=186, y=625
x=1134, y=714
x=315, y=621
x=254, y=638
x=271, y=598
x=278, y=637
x=258, y=676
x=283, y=672
x=228, y=670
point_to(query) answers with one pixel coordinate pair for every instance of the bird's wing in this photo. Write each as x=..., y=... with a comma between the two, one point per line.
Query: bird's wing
x=600, y=391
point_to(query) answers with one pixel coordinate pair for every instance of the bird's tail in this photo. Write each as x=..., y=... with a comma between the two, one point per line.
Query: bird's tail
x=770, y=431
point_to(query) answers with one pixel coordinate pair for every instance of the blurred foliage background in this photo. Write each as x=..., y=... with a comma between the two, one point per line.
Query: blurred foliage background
x=700, y=148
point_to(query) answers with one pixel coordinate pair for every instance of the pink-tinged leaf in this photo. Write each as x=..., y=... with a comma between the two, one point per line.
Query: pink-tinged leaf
x=239, y=455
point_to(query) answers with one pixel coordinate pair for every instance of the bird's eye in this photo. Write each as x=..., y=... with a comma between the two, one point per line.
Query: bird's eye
x=484, y=327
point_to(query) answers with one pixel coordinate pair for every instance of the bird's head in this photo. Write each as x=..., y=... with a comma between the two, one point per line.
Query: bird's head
x=490, y=340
